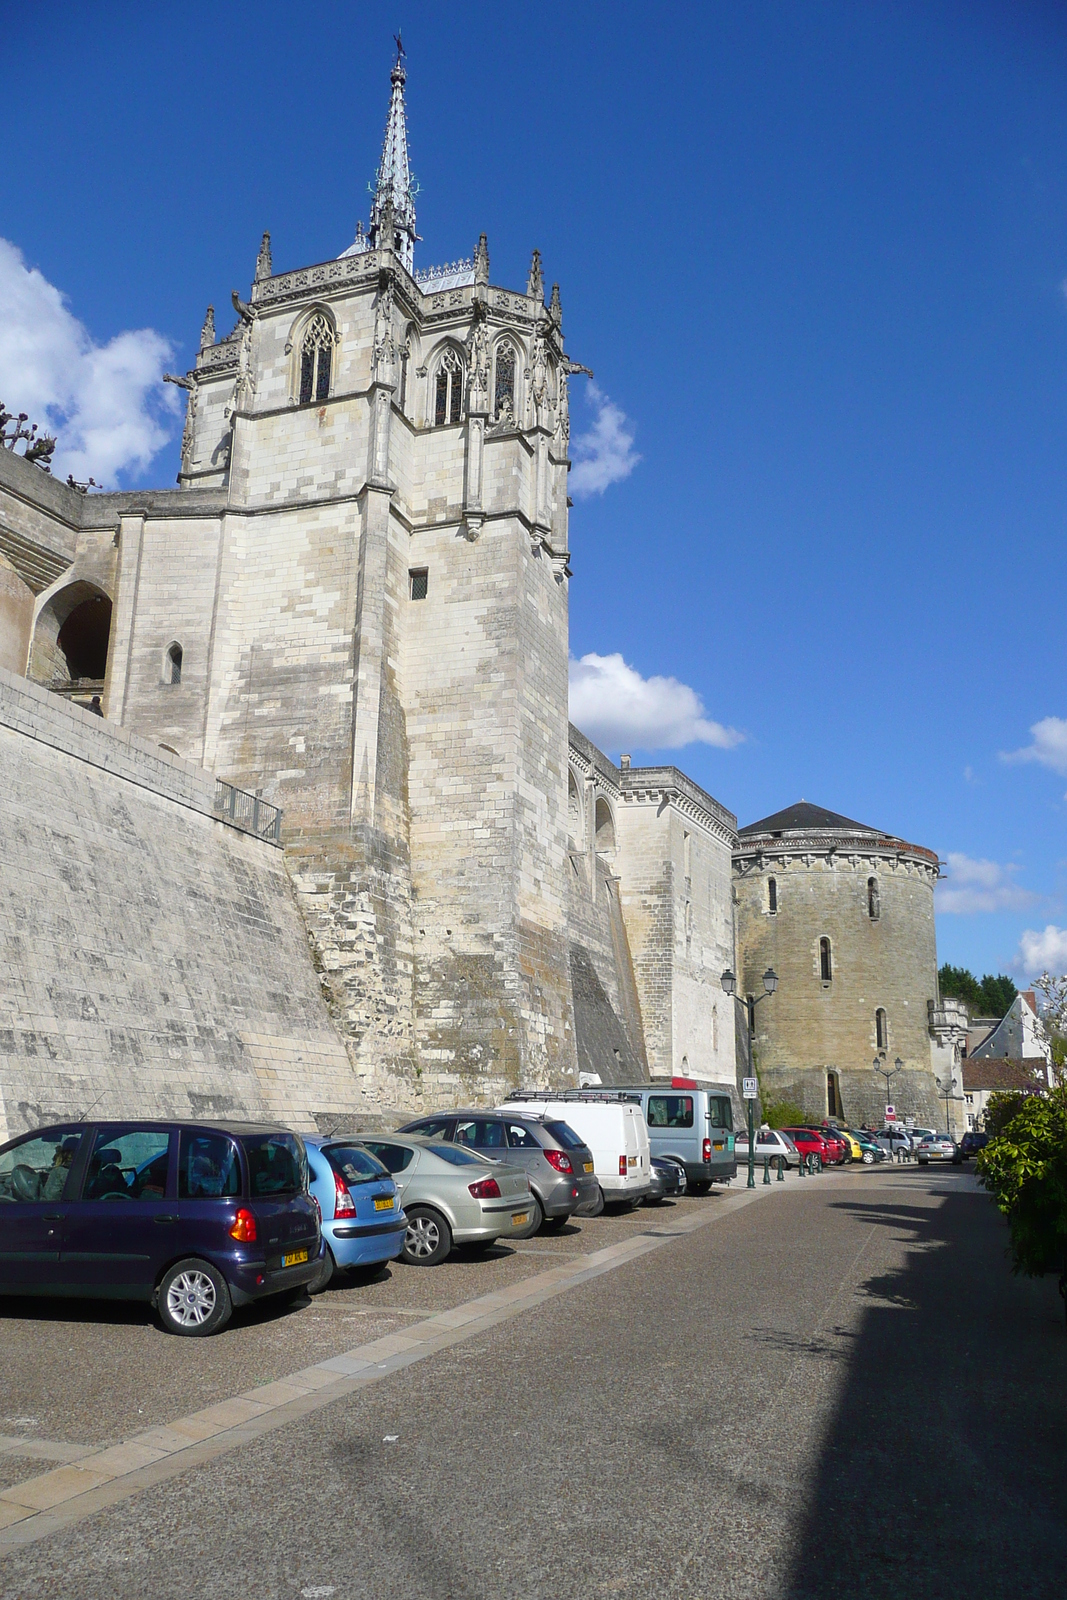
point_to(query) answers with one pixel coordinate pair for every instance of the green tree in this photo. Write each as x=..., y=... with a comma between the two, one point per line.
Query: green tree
x=1024, y=1166
x=997, y=995
x=986, y=997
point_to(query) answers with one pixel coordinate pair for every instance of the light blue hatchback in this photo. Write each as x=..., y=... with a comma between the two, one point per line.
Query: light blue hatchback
x=363, y=1223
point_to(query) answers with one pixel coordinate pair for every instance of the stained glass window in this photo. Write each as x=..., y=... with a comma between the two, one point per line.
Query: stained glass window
x=316, y=360
x=504, y=387
x=448, y=389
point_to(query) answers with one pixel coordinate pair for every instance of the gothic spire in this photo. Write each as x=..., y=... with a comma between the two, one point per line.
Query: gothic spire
x=394, y=189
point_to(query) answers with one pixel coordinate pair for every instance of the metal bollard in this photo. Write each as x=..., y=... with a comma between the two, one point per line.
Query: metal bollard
x=766, y=1169
x=781, y=1169
x=800, y=1168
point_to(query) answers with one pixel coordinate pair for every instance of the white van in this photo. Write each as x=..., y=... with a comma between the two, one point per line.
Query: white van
x=613, y=1128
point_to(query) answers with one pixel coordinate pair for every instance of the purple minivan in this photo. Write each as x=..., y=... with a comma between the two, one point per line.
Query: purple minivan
x=194, y=1217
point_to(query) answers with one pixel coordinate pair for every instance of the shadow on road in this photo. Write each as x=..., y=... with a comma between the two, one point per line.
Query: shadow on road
x=943, y=1471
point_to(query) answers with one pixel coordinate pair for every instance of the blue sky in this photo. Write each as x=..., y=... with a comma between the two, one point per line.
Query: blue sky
x=815, y=254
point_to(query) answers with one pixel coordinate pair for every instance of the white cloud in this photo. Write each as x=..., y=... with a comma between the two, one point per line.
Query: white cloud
x=1044, y=951
x=605, y=454
x=618, y=709
x=980, y=886
x=1049, y=747
x=106, y=404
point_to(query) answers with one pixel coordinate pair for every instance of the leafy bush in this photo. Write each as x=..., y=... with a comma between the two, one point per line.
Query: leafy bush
x=783, y=1114
x=1025, y=1169
x=1003, y=1107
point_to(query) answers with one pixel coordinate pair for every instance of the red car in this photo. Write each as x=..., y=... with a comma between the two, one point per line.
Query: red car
x=812, y=1142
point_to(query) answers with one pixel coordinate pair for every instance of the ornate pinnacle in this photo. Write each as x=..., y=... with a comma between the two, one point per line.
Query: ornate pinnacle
x=555, y=306
x=481, y=262
x=392, y=216
x=263, y=266
x=207, y=332
x=535, y=283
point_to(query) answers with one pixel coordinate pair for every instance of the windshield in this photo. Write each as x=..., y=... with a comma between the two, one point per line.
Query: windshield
x=565, y=1135
x=353, y=1164
x=277, y=1165
x=458, y=1157
x=720, y=1114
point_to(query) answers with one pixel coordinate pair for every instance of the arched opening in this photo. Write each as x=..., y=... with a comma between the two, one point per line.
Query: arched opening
x=826, y=966
x=605, y=829
x=574, y=812
x=772, y=896
x=70, y=642
x=881, y=1029
x=172, y=664
x=833, y=1096
x=872, y=899
x=316, y=360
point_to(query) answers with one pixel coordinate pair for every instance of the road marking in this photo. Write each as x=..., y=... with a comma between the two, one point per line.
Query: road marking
x=54, y=1500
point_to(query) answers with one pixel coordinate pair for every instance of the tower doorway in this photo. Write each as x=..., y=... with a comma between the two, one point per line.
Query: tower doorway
x=833, y=1096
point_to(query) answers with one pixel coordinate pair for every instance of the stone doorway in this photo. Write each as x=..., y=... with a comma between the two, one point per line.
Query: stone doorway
x=70, y=643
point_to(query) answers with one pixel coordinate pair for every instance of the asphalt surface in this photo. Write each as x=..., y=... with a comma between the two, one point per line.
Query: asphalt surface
x=839, y=1385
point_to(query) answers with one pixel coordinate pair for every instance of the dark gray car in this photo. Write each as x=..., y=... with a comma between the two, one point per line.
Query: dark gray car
x=558, y=1164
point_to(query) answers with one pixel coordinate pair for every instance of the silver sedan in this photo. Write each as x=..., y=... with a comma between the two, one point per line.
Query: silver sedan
x=936, y=1147
x=451, y=1195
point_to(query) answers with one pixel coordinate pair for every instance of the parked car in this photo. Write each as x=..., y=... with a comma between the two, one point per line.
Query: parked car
x=917, y=1135
x=610, y=1125
x=894, y=1140
x=192, y=1218
x=852, y=1144
x=557, y=1162
x=363, y=1222
x=773, y=1143
x=870, y=1151
x=451, y=1195
x=936, y=1147
x=840, y=1151
x=691, y=1121
x=969, y=1146
x=810, y=1143
x=667, y=1180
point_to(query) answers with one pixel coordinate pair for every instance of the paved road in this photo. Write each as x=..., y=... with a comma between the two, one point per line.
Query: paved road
x=833, y=1383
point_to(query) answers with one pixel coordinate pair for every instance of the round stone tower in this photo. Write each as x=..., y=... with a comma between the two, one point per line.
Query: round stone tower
x=844, y=914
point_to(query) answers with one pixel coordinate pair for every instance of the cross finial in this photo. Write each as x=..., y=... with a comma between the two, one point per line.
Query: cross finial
x=400, y=51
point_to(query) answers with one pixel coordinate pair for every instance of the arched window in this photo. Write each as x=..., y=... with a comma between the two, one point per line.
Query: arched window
x=881, y=1029
x=504, y=381
x=772, y=895
x=826, y=970
x=872, y=899
x=316, y=358
x=172, y=665
x=448, y=389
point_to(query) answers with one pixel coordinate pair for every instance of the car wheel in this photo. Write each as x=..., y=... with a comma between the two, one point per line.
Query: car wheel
x=537, y=1216
x=194, y=1299
x=428, y=1239
x=555, y=1224
x=868, y=1158
x=702, y=1186
x=597, y=1208
x=327, y=1268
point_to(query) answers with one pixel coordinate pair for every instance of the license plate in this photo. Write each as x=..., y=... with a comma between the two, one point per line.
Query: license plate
x=385, y=1204
x=518, y=1218
x=588, y=1166
x=294, y=1258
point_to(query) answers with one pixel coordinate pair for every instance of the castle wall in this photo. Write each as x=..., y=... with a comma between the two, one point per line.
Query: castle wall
x=154, y=960
x=16, y=618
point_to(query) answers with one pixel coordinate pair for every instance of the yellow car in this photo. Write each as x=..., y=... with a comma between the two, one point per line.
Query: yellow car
x=855, y=1149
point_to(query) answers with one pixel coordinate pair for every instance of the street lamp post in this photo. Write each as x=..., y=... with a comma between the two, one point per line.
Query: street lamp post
x=887, y=1072
x=945, y=1092
x=770, y=984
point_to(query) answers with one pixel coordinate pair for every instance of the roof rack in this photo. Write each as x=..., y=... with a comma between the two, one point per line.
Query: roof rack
x=610, y=1096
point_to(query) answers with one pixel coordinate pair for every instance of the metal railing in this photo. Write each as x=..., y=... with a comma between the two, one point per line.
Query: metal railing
x=248, y=811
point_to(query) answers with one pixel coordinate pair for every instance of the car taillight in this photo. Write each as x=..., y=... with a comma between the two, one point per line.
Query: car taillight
x=343, y=1203
x=557, y=1159
x=244, y=1227
x=622, y=1166
x=707, y=1149
x=485, y=1189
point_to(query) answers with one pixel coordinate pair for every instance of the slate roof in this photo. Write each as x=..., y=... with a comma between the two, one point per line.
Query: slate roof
x=804, y=816
x=1003, y=1074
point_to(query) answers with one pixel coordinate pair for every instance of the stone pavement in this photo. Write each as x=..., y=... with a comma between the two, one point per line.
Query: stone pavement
x=839, y=1381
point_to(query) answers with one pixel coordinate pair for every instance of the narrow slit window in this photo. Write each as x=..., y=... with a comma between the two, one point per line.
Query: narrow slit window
x=174, y=664
x=772, y=895
x=881, y=1030
x=872, y=899
x=418, y=582
x=826, y=967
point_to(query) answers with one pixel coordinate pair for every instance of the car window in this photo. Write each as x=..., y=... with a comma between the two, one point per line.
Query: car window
x=456, y=1156
x=277, y=1166
x=520, y=1138
x=480, y=1133
x=38, y=1168
x=354, y=1164
x=394, y=1157
x=431, y=1128
x=720, y=1112
x=670, y=1111
x=565, y=1135
x=208, y=1168
x=128, y=1164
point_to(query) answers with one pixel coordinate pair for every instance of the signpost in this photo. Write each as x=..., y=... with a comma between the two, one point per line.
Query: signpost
x=890, y=1113
x=750, y=1091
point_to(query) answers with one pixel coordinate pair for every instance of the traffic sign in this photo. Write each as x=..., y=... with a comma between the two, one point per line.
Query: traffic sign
x=750, y=1088
x=890, y=1113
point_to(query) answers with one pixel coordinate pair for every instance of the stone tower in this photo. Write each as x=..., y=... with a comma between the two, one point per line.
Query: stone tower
x=363, y=582
x=845, y=915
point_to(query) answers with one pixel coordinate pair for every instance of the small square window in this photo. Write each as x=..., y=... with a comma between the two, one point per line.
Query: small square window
x=418, y=582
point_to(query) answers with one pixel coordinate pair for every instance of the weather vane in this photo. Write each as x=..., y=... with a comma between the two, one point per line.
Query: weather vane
x=400, y=51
